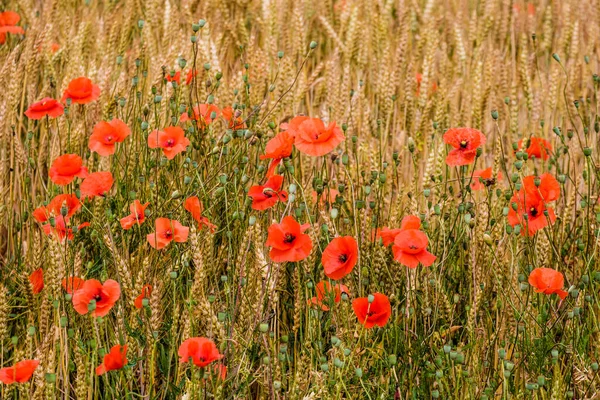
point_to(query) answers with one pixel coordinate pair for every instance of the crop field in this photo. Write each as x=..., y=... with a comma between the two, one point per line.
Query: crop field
x=277, y=199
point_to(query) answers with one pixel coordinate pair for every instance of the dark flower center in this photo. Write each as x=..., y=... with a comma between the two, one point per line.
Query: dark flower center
x=343, y=258
x=413, y=247
x=170, y=143
x=533, y=211
x=370, y=313
x=168, y=234
x=289, y=238
x=97, y=298
x=464, y=144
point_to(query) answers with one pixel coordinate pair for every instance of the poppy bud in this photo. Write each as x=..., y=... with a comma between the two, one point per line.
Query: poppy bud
x=587, y=151
x=556, y=57
x=392, y=359
x=263, y=327
x=495, y=114
x=594, y=366
x=313, y=45
x=338, y=363
x=193, y=39
x=371, y=298
x=266, y=360
x=518, y=165
x=173, y=274
x=411, y=145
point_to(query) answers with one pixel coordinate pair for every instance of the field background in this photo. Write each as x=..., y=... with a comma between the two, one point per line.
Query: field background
x=467, y=327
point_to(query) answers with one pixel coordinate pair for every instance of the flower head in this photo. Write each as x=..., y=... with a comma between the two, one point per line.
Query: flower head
x=288, y=242
x=96, y=184
x=115, y=359
x=312, y=137
x=277, y=149
x=106, y=134
x=200, y=350
x=548, y=281
x=465, y=141
x=60, y=230
x=171, y=140
x=528, y=206
x=483, y=178
x=137, y=215
x=233, y=122
x=37, y=280
x=267, y=195
x=377, y=312
x=339, y=257
x=72, y=284
x=203, y=114
x=167, y=230
x=194, y=206
x=105, y=296
x=65, y=168
x=81, y=91
x=8, y=24
x=45, y=107
x=146, y=292
x=410, y=248
x=328, y=196
x=328, y=295
x=537, y=147
x=19, y=373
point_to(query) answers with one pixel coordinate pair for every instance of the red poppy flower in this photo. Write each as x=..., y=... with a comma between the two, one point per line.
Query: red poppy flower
x=410, y=248
x=538, y=148
x=81, y=91
x=190, y=75
x=233, y=122
x=146, y=292
x=548, y=189
x=37, y=280
x=167, y=230
x=45, y=107
x=106, y=134
x=65, y=168
x=60, y=230
x=174, y=78
x=465, y=141
x=328, y=196
x=72, y=284
x=194, y=206
x=410, y=222
x=548, y=281
x=312, y=137
x=530, y=212
x=287, y=241
x=483, y=178
x=277, y=149
x=96, y=184
x=339, y=257
x=327, y=295
x=55, y=208
x=8, y=24
x=203, y=114
x=172, y=141
x=267, y=195
x=388, y=235
x=377, y=312
x=113, y=360
x=105, y=295
x=137, y=215
x=19, y=373
x=201, y=350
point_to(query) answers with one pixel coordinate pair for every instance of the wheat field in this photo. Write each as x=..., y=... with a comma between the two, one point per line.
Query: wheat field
x=275, y=199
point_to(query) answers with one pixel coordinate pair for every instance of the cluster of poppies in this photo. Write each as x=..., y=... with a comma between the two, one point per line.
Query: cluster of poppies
x=8, y=24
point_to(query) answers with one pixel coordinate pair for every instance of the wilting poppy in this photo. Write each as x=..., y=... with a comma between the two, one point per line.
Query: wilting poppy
x=146, y=292
x=410, y=248
x=81, y=91
x=548, y=281
x=172, y=141
x=377, y=312
x=167, y=230
x=267, y=195
x=194, y=206
x=201, y=350
x=175, y=78
x=106, y=134
x=483, y=178
x=137, y=215
x=60, y=230
x=55, y=208
x=328, y=196
x=328, y=295
x=72, y=284
x=115, y=359
x=287, y=241
x=277, y=149
x=96, y=184
x=233, y=122
x=537, y=147
x=465, y=141
x=65, y=168
x=8, y=24
x=37, y=280
x=339, y=257
x=190, y=76
x=105, y=296
x=19, y=373
x=204, y=114
x=312, y=137
x=45, y=107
